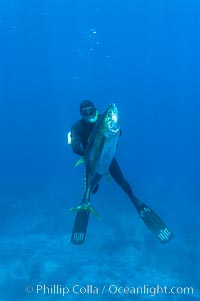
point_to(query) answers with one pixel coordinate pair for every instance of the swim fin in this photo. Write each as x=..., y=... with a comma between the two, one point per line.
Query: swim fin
x=80, y=227
x=153, y=222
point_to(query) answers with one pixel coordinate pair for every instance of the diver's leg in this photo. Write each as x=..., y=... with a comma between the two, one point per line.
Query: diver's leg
x=117, y=175
x=95, y=189
x=149, y=217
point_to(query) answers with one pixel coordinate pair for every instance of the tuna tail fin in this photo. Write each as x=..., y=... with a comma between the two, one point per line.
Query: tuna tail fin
x=76, y=208
x=80, y=161
x=94, y=211
x=87, y=207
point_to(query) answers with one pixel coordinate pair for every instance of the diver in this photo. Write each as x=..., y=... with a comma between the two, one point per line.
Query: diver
x=80, y=133
x=78, y=138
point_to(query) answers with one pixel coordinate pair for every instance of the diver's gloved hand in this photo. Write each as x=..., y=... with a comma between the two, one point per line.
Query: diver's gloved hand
x=95, y=189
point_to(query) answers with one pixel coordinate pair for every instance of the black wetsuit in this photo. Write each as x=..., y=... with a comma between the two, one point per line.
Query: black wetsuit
x=80, y=133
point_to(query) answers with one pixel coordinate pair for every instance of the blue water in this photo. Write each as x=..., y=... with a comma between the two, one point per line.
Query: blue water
x=144, y=56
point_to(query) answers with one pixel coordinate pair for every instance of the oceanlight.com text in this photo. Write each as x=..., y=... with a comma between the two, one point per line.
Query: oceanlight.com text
x=111, y=289
x=150, y=290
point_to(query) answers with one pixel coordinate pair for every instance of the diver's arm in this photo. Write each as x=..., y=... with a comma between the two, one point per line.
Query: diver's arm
x=75, y=142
